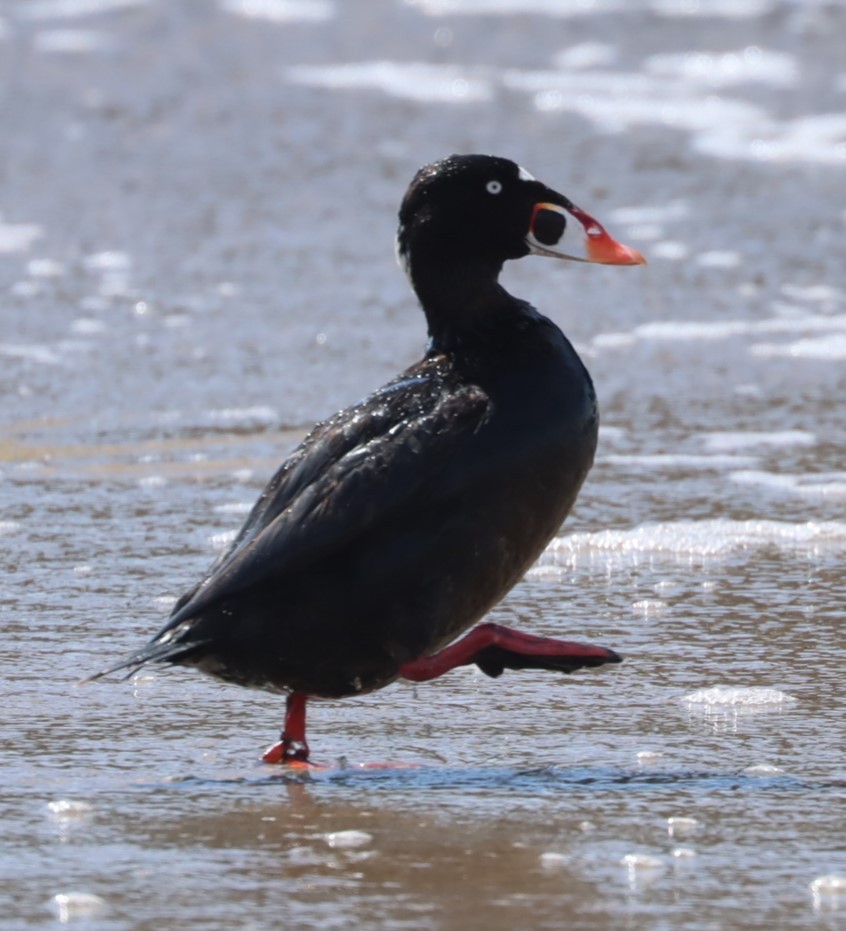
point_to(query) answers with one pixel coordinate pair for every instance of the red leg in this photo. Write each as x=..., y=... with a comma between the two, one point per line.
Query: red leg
x=494, y=648
x=292, y=746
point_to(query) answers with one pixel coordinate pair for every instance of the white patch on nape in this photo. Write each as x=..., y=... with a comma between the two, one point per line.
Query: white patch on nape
x=524, y=175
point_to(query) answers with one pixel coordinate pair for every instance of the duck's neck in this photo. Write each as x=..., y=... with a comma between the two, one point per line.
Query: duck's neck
x=463, y=302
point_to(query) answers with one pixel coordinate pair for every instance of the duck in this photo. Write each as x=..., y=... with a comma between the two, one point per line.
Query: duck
x=399, y=522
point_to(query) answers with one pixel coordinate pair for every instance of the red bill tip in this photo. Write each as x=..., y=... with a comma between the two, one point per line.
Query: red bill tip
x=601, y=247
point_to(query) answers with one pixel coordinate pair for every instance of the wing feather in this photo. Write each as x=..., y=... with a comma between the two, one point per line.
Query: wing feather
x=339, y=485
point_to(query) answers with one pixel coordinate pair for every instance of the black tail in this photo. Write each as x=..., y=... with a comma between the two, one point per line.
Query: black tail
x=154, y=652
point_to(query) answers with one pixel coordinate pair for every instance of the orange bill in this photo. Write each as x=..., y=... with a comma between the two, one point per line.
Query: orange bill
x=588, y=241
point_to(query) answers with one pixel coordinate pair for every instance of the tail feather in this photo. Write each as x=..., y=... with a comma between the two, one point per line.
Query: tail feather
x=154, y=652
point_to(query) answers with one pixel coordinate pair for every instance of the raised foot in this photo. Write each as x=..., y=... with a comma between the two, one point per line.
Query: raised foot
x=494, y=648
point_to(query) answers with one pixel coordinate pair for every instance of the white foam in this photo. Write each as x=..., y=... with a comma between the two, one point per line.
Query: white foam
x=66, y=9
x=411, y=80
x=619, y=100
x=152, y=481
x=702, y=540
x=142, y=680
x=690, y=329
x=833, y=325
x=86, y=326
x=721, y=126
x=681, y=826
x=723, y=9
x=348, y=840
x=763, y=769
x=281, y=11
x=30, y=352
x=115, y=285
x=234, y=507
x=718, y=258
x=174, y=321
x=646, y=231
x=550, y=860
x=676, y=91
x=18, y=237
x=649, y=606
x=677, y=461
x=220, y=541
x=816, y=293
x=66, y=810
x=613, y=341
x=724, y=441
x=612, y=435
x=26, y=288
x=811, y=139
x=108, y=261
x=260, y=413
x=93, y=303
x=586, y=55
x=724, y=69
x=829, y=892
x=726, y=698
x=669, y=249
x=814, y=485
x=828, y=348
x=643, y=866
x=651, y=213
x=793, y=319
x=510, y=7
x=45, y=268
x=8, y=526
x=70, y=906
x=643, y=870
x=684, y=853
x=642, y=861
x=71, y=41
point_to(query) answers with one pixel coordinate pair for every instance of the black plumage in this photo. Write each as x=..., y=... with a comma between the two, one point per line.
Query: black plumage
x=399, y=522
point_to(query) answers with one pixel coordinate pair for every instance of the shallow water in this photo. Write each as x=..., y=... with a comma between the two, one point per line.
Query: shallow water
x=197, y=206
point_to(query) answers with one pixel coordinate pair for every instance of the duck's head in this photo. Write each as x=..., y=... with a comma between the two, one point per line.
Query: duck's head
x=478, y=211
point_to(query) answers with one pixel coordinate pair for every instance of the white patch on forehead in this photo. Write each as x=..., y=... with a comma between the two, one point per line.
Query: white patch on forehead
x=524, y=175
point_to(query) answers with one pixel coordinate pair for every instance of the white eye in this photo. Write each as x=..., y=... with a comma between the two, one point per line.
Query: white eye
x=493, y=187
